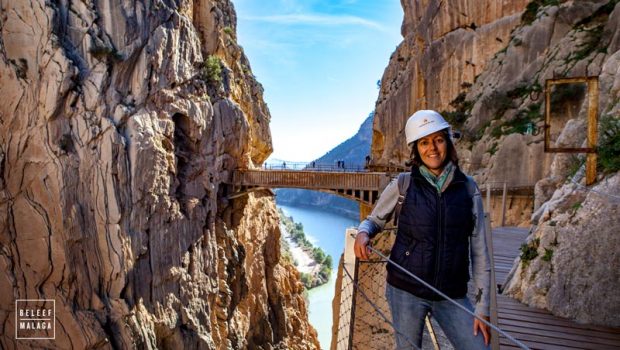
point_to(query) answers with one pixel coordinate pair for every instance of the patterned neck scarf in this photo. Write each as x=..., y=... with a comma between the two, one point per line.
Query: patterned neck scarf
x=441, y=181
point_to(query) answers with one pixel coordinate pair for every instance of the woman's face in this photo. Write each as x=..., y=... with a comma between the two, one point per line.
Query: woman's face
x=433, y=150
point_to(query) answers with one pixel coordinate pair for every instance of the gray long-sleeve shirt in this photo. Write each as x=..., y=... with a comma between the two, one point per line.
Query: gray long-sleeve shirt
x=481, y=266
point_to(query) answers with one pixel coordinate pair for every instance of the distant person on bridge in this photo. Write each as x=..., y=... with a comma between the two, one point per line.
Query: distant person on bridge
x=440, y=225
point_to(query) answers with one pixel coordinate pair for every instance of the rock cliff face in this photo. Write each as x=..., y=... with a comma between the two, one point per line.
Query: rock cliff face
x=574, y=269
x=446, y=45
x=484, y=64
x=120, y=123
x=568, y=268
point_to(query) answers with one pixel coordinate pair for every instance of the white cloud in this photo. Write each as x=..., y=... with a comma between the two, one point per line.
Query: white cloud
x=315, y=19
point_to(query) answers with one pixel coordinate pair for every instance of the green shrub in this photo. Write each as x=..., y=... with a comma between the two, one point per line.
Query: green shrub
x=212, y=70
x=497, y=132
x=228, y=30
x=462, y=110
x=520, y=123
x=318, y=255
x=548, y=255
x=100, y=52
x=306, y=279
x=523, y=90
x=529, y=251
x=529, y=15
x=298, y=236
x=328, y=261
x=325, y=272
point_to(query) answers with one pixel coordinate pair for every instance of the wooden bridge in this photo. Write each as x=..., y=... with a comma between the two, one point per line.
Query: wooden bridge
x=361, y=186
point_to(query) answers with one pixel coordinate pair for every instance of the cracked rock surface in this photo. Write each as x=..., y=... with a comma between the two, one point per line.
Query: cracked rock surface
x=119, y=123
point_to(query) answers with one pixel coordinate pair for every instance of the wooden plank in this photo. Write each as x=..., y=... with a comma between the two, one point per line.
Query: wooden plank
x=538, y=327
x=514, y=305
x=519, y=314
x=564, y=339
x=537, y=345
x=566, y=334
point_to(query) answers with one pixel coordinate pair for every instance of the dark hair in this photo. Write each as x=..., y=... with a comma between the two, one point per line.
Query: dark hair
x=416, y=160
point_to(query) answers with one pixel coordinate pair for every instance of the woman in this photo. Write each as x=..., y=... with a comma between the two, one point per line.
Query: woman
x=440, y=225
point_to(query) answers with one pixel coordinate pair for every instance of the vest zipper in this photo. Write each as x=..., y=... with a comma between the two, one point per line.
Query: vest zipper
x=439, y=245
x=440, y=238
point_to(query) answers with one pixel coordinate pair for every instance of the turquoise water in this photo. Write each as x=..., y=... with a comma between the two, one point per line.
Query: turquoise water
x=326, y=230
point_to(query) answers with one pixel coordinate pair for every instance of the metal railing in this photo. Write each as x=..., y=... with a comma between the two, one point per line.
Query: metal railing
x=315, y=166
x=363, y=305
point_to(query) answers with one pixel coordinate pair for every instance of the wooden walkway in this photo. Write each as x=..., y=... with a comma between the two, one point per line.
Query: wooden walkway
x=537, y=328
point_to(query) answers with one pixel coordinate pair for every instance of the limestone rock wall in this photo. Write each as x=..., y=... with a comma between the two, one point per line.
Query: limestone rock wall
x=120, y=122
x=575, y=271
x=570, y=267
x=446, y=45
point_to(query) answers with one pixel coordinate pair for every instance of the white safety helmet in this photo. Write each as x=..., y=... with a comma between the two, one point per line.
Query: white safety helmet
x=423, y=123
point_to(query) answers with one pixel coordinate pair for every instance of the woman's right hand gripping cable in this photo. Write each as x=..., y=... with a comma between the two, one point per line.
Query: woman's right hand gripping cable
x=361, y=247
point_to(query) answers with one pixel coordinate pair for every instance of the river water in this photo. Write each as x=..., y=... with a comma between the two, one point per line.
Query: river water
x=326, y=230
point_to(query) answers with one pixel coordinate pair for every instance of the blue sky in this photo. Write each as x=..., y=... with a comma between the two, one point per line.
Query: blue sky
x=319, y=62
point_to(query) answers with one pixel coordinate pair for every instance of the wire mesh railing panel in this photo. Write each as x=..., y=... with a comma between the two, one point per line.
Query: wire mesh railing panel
x=364, y=315
x=372, y=327
x=345, y=315
x=370, y=330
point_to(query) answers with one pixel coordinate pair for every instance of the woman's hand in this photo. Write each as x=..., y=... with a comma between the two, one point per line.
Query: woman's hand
x=361, y=245
x=486, y=333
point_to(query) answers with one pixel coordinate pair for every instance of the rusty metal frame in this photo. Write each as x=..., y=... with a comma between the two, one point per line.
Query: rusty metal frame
x=593, y=95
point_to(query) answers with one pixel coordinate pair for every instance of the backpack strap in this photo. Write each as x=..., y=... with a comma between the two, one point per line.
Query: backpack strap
x=471, y=186
x=403, y=184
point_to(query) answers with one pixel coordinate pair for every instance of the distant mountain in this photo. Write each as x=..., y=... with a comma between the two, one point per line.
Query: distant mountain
x=353, y=152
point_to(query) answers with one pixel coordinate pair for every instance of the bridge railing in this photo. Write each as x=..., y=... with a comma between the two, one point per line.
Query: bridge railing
x=310, y=180
x=315, y=166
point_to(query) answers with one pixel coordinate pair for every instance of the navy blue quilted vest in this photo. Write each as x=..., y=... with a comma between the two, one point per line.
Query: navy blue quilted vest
x=432, y=240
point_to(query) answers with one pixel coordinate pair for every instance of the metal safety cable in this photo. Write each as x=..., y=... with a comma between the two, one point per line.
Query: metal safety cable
x=608, y=195
x=518, y=343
